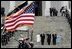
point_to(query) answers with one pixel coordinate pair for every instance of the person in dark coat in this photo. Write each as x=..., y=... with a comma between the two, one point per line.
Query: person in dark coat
x=54, y=38
x=51, y=11
x=20, y=44
x=48, y=38
x=55, y=12
x=42, y=38
x=2, y=11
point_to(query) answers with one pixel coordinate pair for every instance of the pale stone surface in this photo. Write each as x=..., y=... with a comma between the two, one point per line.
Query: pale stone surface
x=42, y=24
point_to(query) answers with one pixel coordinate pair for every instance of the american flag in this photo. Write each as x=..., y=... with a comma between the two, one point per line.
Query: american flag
x=22, y=17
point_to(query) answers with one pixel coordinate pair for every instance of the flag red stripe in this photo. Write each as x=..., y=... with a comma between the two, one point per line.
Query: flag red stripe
x=14, y=19
x=19, y=25
x=13, y=23
x=19, y=20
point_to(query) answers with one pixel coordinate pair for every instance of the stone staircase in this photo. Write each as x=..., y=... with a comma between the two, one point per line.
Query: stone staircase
x=42, y=24
x=56, y=24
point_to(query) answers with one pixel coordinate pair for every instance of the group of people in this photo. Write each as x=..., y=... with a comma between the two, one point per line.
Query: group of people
x=5, y=37
x=53, y=12
x=55, y=38
x=25, y=43
x=66, y=12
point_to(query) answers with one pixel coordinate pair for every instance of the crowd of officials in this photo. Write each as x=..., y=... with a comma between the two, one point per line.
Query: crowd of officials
x=49, y=37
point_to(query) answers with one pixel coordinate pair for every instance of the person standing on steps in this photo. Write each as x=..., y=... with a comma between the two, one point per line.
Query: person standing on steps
x=42, y=38
x=54, y=37
x=48, y=38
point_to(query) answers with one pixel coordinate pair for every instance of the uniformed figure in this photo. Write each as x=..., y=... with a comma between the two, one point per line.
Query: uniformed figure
x=42, y=38
x=48, y=38
x=54, y=36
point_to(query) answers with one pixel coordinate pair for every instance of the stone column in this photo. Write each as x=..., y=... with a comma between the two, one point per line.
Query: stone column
x=46, y=8
x=43, y=8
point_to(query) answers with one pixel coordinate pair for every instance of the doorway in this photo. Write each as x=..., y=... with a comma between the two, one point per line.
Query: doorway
x=38, y=9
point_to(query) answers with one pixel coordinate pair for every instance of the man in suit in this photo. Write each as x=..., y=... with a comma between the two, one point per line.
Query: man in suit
x=48, y=38
x=42, y=38
x=56, y=12
x=50, y=11
x=54, y=35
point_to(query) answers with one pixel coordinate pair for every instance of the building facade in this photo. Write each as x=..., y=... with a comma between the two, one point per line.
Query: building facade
x=43, y=7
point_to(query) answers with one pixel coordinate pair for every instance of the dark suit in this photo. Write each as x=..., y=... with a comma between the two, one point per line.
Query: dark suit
x=56, y=12
x=42, y=38
x=51, y=11
x=54, y=38
x=48, y=38
x=2, y=11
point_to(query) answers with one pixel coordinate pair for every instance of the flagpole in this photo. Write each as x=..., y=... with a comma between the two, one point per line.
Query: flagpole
x=28, y=33
x=32, y=35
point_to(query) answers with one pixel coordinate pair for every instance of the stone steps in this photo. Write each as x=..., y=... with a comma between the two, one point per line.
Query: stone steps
x=53, y=46
x=42, y=24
